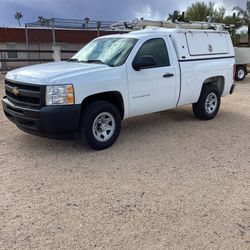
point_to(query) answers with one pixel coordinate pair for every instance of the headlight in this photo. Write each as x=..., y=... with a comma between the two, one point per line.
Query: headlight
x=60, y=95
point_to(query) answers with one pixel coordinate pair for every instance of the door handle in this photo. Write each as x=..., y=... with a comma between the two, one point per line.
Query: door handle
x=168, y=75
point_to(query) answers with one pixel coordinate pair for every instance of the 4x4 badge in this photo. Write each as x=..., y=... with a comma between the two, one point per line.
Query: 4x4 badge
x=16, y=91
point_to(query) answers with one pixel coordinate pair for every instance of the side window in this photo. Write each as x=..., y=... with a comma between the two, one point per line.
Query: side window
x=157, y=49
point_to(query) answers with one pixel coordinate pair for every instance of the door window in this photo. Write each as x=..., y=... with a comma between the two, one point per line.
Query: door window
x=157, y=49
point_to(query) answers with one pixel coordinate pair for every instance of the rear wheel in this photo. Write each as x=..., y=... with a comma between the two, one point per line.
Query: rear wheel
x=208, y=104
x=101, y=124
x=240, y=73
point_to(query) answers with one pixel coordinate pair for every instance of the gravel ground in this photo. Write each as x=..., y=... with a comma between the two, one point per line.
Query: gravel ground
x=170, y=182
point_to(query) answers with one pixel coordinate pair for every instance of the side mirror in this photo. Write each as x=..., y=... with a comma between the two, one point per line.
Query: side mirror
x=144, y=62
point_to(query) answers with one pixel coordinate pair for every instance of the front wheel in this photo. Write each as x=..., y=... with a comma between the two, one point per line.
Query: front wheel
x=101, y=124
x=208, y=104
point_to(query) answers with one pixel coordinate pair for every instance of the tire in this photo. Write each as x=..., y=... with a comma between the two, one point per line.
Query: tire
x=208, y=104
x=240, y=73
x=100, y=126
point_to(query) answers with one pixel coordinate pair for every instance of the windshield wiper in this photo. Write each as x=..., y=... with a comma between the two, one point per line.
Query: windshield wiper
x=94, y=61
x=73, y=60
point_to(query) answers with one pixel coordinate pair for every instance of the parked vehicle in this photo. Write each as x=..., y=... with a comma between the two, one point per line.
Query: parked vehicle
x=120, y=76
x=242, y=58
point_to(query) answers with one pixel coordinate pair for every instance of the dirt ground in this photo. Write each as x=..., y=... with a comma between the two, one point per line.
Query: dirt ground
x=170, y=182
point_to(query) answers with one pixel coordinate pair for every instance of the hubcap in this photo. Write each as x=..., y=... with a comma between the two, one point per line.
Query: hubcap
x=103, y=127
x=211, y=103
x=241, y=73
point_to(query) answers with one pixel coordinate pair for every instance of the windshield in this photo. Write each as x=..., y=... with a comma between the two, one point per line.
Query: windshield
x=111, y=51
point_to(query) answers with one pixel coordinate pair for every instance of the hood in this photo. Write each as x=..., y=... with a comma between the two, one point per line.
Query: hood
x=49, y=73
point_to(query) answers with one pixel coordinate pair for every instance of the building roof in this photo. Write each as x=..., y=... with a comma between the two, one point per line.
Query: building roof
x=43, y=35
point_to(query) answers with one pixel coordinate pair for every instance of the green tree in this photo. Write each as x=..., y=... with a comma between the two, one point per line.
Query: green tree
x=201, y=11
x=18, y=17
x=234, y=23
x=233, y=20
x=244, y=15
x=219, y=14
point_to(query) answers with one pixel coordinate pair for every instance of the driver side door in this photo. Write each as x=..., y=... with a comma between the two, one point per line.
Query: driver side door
x=152, y=88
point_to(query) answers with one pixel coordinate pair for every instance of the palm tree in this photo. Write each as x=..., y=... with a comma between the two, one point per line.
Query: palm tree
x=199, y=11
x=176, y=16
x=244, y=14
x=86, y=22
x=234, y=23
x=43, y=21
x=219, y=14
x=18, y=17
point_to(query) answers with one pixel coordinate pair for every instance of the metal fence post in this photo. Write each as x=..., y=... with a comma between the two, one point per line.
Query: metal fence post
x=27, y=42
x=57, y=53
x=98, y=26
x=53, y=32
x=3, y=56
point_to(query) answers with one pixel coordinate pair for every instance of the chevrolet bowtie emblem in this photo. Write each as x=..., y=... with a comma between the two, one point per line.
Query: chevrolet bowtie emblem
x=16, y=91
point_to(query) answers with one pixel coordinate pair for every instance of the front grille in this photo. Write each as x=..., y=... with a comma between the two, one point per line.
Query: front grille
x=23, y=94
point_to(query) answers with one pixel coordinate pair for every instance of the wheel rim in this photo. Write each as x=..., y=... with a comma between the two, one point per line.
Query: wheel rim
x=241, y=74
x=103, y=127
x=211, y=103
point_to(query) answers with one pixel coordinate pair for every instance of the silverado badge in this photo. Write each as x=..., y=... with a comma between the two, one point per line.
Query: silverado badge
x=210, y=48
x=16, y=91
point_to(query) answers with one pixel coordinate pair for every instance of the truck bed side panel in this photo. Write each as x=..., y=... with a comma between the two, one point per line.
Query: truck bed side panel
x=196, y=72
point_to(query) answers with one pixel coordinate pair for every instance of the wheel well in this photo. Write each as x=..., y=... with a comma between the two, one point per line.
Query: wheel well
x=113, y=97
x=217, y=81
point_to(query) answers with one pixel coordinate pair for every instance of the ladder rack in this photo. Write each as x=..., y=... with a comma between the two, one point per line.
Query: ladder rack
x=142, y=24
x=182, y=25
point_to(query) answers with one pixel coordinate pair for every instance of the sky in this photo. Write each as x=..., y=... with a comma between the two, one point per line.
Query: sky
x=105, y=10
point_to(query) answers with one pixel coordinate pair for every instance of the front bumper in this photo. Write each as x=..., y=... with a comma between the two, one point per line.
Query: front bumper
x=49, y=121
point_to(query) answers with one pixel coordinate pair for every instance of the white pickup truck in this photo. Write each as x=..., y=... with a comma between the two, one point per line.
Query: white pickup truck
x=120, y=76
